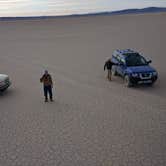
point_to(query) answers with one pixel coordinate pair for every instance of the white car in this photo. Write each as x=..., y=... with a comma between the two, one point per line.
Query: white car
x=4, y=82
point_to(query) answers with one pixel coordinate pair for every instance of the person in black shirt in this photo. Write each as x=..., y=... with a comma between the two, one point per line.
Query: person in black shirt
x=108, y=65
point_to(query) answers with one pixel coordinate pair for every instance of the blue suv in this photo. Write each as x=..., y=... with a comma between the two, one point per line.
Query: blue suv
x=133, y=67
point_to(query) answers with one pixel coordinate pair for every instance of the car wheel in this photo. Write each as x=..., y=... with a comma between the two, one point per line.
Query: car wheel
x=2, y=90
x=127, y=81
x=151, y=84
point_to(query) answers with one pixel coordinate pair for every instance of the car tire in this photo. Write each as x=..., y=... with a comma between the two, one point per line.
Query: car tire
x=2, y=90
x=151, y=84
x=127, y=81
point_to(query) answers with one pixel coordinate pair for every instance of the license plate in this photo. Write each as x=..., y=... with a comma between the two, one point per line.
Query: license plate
x=145, y=81
x=2, y=83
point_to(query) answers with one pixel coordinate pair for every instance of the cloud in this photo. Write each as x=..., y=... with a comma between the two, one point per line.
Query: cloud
x=60, y=7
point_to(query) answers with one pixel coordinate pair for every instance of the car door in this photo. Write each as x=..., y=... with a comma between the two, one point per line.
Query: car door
x=121, y=67
x=115, y=60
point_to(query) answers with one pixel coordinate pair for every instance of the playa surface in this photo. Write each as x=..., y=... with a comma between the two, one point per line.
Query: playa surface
x=92, y=122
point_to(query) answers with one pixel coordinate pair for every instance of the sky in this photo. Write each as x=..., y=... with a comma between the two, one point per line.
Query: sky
x=67, y=7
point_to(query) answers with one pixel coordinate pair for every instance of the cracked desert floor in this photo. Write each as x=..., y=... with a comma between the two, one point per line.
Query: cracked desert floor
x=92, y=122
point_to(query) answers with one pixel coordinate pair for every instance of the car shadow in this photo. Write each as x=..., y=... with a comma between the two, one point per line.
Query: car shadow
x=158, y=88
x=7, y=93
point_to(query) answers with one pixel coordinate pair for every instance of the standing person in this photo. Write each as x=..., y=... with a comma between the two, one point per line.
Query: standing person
x=108, y=65
x=47, y=85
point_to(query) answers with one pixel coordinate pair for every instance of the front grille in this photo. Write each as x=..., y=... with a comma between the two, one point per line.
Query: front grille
x=7, y=81
x=145, y=75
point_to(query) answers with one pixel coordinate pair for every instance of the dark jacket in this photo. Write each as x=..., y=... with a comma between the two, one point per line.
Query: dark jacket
x=108, y=65
x=46, y=80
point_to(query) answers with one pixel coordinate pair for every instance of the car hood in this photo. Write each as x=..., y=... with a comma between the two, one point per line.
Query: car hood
x=3, y=77
x=140, y=69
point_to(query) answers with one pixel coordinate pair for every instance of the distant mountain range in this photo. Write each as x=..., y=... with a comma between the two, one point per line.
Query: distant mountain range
x=144, y=10
x=120, y=12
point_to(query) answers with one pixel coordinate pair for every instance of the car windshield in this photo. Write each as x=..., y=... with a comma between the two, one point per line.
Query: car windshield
x=134, y=59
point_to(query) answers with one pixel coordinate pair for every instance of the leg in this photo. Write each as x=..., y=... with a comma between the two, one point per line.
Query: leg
x=50, y=92
x=45, y=93
x=110, y=74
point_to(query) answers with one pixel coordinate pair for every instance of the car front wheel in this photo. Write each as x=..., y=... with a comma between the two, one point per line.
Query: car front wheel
x=127, y=81
x=2, y=90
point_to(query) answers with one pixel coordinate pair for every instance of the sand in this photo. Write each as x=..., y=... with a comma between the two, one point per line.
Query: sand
x=92, y=122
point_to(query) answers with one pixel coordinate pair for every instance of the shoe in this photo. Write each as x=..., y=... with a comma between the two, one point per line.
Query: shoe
x=46, y=100
x=51, y=100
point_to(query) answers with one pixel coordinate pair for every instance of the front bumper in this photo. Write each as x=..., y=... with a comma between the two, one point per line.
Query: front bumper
x=138, y=80
x=5, y=86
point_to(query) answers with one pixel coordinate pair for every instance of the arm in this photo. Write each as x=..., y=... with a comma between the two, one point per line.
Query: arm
x=51, y=81
x=41, y=79
x=116, y=64
x=105, y=66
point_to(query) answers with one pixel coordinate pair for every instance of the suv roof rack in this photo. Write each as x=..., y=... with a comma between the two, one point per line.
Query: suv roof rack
x=125, y=51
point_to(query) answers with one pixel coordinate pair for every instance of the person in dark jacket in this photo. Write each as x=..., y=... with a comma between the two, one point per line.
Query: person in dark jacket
x=108, y=65
x=47, y=85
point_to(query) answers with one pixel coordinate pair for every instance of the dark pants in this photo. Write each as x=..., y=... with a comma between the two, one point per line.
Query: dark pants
x=48, y=90
x=109, y=74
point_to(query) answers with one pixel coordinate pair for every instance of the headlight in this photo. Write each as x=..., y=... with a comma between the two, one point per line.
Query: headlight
x=2, y=83
x=135, y=75
x=154, y=73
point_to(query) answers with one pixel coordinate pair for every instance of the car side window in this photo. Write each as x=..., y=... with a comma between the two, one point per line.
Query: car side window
x=122, y=61
x=116, y=57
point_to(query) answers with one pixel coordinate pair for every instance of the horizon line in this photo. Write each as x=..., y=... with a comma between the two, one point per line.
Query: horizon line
x=115, y=12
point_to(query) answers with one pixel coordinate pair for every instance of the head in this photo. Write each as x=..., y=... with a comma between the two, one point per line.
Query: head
x=109, y=60
x=46, y=72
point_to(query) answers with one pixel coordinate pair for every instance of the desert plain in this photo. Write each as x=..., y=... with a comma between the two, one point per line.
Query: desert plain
x=92, y=122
